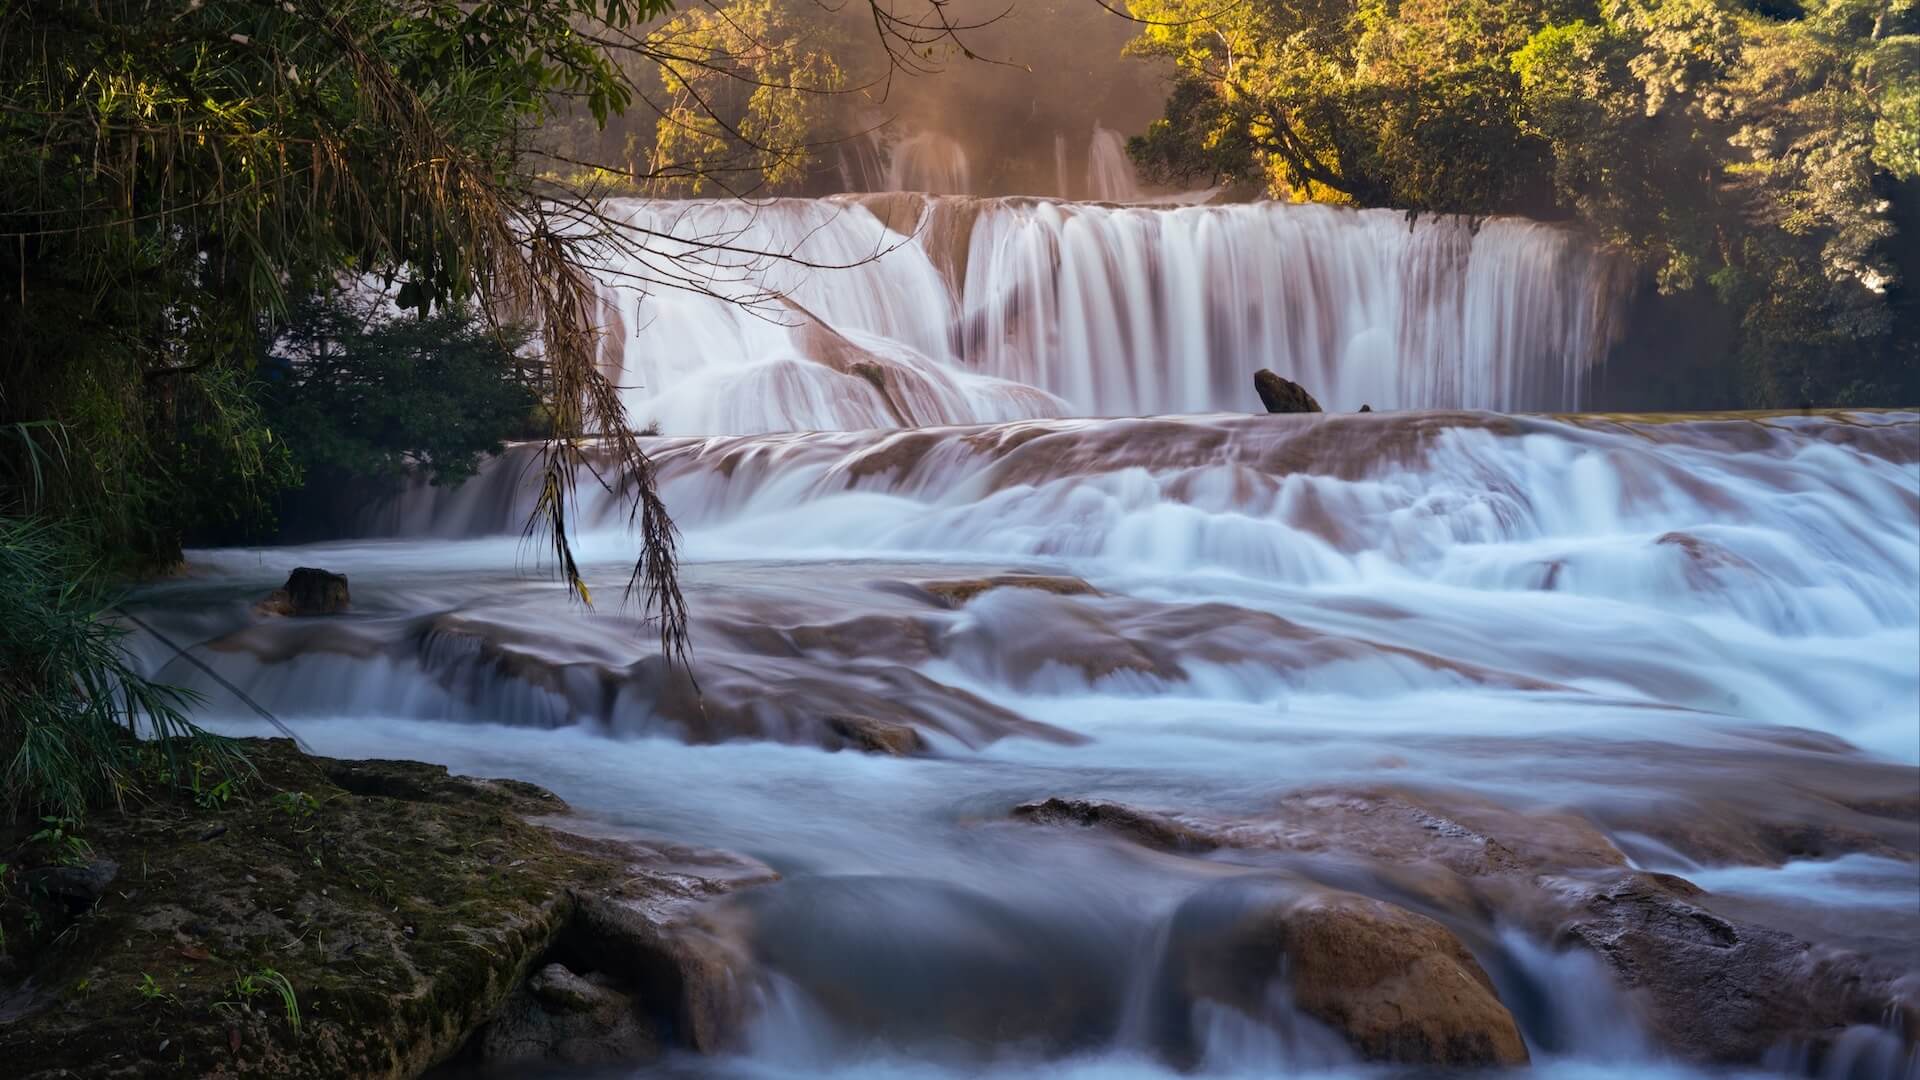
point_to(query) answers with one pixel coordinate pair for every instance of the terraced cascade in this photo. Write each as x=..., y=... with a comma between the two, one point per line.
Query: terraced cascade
x=1307, y=745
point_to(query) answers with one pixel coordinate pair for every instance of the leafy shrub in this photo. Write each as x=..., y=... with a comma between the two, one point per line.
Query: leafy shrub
x=73, y=711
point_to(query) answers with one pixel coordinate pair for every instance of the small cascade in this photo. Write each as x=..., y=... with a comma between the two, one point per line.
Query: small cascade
x=862, y=162
x=1110, y=176
x=900, y=309
x=931, y=163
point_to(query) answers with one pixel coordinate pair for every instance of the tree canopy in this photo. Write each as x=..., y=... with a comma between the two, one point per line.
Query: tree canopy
x=173, y=178
x=1761, y=151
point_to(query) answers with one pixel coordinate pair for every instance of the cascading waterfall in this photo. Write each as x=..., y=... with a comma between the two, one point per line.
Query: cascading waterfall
x=1159, y=684
x=1661, y=638
x=929, y=162
x=896, y=310
x=1110, y=176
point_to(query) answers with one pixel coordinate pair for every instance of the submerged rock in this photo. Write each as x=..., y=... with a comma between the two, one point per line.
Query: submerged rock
x=1397, y=986
x=917, y=962
x=1282, y=395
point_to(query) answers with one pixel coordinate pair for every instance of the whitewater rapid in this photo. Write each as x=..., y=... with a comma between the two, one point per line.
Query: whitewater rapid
x=1688, y=632
x=1758, y=567
x=900, y=310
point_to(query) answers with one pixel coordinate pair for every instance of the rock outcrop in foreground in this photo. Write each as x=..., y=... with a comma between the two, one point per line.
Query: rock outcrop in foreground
x=412, y=916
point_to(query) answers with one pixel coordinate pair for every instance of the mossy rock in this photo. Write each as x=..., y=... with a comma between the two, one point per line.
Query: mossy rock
x=401, y=905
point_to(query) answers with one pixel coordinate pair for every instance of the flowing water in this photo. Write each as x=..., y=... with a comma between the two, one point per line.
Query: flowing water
x=904, y=310
x=1712, y=621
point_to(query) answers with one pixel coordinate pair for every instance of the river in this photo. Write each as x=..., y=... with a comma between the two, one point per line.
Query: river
x=1688, y=634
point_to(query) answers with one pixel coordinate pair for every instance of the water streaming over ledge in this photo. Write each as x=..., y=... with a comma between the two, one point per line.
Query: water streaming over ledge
x=961, y=310
x=1688, y=642
x=1651, y=624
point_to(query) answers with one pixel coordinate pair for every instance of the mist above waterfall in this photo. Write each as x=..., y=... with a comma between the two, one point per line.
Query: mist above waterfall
x=1052, y=82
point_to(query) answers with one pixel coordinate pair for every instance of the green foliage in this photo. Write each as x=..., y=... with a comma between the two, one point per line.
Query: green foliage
x=172, y=179
x=296, y=804
x=62, y=843
x=1761, y=152
x=743, y=91
x=71, y=705
x=360, y=393
x=151, y=992
x=265, y=981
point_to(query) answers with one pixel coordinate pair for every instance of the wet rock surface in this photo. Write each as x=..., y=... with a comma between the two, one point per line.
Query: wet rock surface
x=915, y=962
x=1721, y=990
x=1153, y=830
x=873, y=736
x=1397, y=986
x=309, y=591
x=1707, y=985
x=957, y=593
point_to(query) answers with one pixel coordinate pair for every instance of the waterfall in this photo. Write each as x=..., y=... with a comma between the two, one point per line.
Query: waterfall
x=1110, y=175
x=929, y=162
x=904, y=310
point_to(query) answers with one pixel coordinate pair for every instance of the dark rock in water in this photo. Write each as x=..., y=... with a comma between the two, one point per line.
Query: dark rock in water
x=1722, y=991
x=1152, y=830
x=1282, y=395
x=1397, y=986
x=557, y=1016
x=1366, y=408
x=873, y=736
x=956, y=593
x=308, y=591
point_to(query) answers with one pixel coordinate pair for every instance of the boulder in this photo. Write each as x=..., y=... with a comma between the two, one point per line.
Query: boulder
x=874, y=736
x=1397, y=986
x=1723, y=991
x=1282, y=395
x=308, y=591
